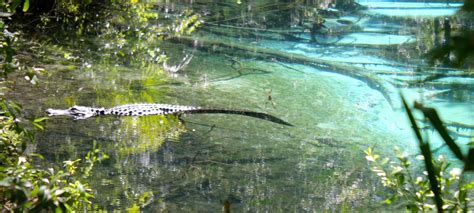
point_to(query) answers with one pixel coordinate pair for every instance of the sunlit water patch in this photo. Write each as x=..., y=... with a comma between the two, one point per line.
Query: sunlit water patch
x=375, y=39
x=411, y=9
x=333, y=115
x=348, y=55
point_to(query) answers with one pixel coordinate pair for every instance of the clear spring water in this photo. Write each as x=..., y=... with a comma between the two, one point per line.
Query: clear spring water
x=253, y=164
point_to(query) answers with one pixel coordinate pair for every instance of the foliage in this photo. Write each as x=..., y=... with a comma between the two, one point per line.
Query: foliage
x=458, y=49
x=446, y=186
x=7, y=62
x=459, y=52
x=139, y=43
x=413, y=188
x=9, y=7
x=129, y=29
x=24, y=186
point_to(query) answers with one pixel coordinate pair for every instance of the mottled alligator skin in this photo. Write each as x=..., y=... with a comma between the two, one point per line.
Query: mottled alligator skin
x=83, y=112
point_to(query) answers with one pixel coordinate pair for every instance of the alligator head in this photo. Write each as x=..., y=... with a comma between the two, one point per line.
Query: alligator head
x=77, y=112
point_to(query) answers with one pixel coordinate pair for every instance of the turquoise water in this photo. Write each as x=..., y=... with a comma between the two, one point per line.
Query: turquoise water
x=411, y=9
x=341, y=94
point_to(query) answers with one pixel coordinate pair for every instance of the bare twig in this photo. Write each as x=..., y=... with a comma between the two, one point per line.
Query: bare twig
x=175, y=68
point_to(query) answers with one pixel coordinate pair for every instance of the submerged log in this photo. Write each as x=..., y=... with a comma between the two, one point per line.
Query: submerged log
x=372, y=80
x=294, y=34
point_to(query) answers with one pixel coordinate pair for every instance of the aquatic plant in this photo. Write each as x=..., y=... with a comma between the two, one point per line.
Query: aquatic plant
x=440, y=186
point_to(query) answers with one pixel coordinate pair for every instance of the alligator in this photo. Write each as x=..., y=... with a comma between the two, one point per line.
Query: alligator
x=83, y=112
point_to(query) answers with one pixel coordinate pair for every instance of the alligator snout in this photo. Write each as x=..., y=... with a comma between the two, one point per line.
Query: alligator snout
x=55, y=112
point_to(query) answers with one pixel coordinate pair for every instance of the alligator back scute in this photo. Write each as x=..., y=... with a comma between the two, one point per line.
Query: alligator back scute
x=148, y=109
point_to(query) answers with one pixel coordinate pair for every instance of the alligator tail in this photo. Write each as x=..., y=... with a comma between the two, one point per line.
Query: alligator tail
x=259, y=115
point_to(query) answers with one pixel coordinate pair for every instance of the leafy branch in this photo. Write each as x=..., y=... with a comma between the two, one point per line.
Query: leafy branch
x=438, y=187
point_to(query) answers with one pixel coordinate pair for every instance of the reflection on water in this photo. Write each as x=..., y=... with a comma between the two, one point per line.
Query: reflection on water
x=206, y=160
x=411, y=9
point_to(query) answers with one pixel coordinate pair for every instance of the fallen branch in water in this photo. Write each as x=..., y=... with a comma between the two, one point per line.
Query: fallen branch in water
x=444, y=75
x=450, y=131
x=372, y=80
x=455, y=125
x=434, y=69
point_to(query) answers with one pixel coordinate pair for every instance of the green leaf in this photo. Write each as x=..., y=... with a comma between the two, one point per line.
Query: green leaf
x=15, y=4
x=58, y=210
x=38, y=120
x=41, y=127
x=37, y=155
x=469, y=185
x=390, y=200
x=134, y=208
x=401, y=178
x=26, y=5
